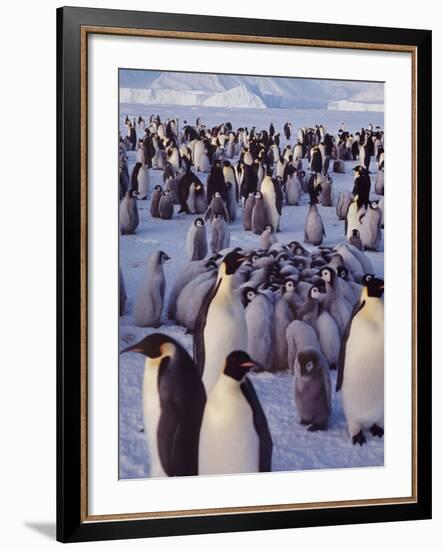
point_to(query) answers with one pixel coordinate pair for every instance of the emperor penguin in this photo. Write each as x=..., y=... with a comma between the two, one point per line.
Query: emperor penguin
x=155, y=200
x=231, y=201
x=312, y=388
x=217, y=206
x=380, y=182
x=191, y=298
x=267, y=238
x=148, y=306
x=353, y=217
x=344, y=200
x=247, y=212
x=174, y=158
x=334, y=301
x=234, y=436
x=196, y=240
x=273, y=199
x=229, y=175
x=327, y=192
x=299, y=335
x=283, y=317
x=143, y=182
x=260, y=218
x=129, y=213
x=166, y=206
x=259, y=313
x=173, y=403
x=361, y=367
x=199, y=149
x=370, y=231
x=355, y=239
x=220, y=234
x=293, y=191
x=314, y=229
x=221, y=324
x=171, y=185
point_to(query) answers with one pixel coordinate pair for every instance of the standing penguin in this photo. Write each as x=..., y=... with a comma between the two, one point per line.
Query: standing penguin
x=234, y=436
x=361, y=366
x=217, y=206
x=260, y=217
x=196, y=240
x=370, y=231
x=293, y=191
x=267, y=238
x=149, y=303
x=173, y=403
x=155, y=200
x=129, y=213
x=273, y=199
x=259, y=315
x=231, y=202
x=247, y=212
x=312, y=389
x=344, y=200
x=166, y=206
x=220, y=234
x=221, y=325
x=314, y=229
x=143, y=181
x=380, y=182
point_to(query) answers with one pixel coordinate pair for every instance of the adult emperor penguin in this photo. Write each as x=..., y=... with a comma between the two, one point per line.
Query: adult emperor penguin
x=247, y=212
x=173, y=404
x=149, y=303
x=361, y=365
x=196, y=240
x=129, y=213
x=155, y=200
x=234, y=436
x=312, y=389
x=273, y=199
x=221, y=325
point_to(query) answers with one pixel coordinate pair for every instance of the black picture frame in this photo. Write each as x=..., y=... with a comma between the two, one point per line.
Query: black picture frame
x=72, y=526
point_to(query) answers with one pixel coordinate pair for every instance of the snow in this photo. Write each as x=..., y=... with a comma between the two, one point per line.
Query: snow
x=294, y=447
x=354, y=106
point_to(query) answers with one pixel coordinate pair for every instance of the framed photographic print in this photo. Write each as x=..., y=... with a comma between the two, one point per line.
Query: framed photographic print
x=244, y=325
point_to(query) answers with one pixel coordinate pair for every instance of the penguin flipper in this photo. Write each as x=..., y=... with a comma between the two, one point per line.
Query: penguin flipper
x=341, y=358
x=208, y=213
x=260, y=424
x=199, y=327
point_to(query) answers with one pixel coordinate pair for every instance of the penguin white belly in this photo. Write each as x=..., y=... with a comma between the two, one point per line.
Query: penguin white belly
x=269, y=199
x=151, y=412
x=228, y=441
x=363, y=380
x=225, y=331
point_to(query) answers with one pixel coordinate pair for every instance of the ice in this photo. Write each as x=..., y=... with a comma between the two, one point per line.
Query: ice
x=294, y=447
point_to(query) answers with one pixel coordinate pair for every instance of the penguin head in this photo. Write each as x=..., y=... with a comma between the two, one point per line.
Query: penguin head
x=217, y=195
x=199, y=222
x=373, y=205
x=238, y=364
x=308, y=359
x=289, y=286
x=327, y=274
x=162, y=257
x=233, y=261
x=154, y=346
x=158, y=188
x=258, y=195
x=269, y=228
x=342, y=272
x=355, y=233
x=248, y=294
x=315, y=292
x=375, y=286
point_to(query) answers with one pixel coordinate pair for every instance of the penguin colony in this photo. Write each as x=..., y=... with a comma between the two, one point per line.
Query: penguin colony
x=265, y=305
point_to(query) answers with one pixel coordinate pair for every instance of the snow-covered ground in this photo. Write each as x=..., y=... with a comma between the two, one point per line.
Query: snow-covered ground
x=294, y=447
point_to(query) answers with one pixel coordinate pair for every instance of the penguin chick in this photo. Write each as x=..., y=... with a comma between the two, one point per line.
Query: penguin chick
x=155, y=200
x=166, y=206
x=259, y=314
x=355, y=239
x=129, y=213
x=312, y=389
x=267, y=238
x=220, y=234
x=196, y=240
x=149, y=303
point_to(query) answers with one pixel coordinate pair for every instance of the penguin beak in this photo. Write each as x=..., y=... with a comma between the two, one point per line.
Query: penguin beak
x=252, y=366
x=134, y=348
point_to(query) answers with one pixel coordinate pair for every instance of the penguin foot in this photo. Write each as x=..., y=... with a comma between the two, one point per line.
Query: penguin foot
x=316, y=428
x=359, y=438
x=333, y=366
x=376, y=431
x=304, y=422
